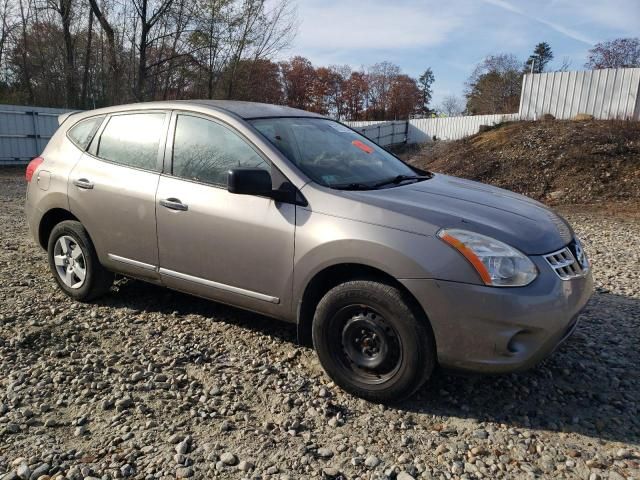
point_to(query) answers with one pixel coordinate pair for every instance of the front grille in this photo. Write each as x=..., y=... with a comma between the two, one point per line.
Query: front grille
x=564, y=263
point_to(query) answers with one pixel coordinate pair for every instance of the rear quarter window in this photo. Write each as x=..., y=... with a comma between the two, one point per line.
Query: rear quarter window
x=82, y=132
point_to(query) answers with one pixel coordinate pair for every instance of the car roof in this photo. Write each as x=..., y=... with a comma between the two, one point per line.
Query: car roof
x=244, y=110
x=248, y=110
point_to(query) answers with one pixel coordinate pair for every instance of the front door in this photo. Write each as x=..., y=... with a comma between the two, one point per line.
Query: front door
x=236, y=249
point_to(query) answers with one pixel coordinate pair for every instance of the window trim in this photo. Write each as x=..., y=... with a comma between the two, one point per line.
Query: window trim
x=67, y=133
x=93, y=147
x=168, y=156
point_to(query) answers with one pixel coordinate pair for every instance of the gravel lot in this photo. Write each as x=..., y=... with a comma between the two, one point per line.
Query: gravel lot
x=150, y=383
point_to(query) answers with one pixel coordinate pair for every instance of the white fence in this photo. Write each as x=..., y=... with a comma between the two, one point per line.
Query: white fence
x=423, y=130
x=605, y=94
x=384, y=134
x=25, y=131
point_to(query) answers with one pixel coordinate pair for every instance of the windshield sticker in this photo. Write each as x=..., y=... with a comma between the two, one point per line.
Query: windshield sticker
x=365, y=148
x=339, y=128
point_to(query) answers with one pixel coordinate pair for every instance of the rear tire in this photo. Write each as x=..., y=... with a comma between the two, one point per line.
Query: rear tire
x=372, y=342
x=74, y=262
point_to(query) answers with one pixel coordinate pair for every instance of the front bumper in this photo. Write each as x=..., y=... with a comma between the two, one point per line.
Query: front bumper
x=496, y=330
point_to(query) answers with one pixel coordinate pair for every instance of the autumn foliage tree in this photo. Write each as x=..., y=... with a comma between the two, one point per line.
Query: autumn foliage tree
x=618, y=53
x=494, y=86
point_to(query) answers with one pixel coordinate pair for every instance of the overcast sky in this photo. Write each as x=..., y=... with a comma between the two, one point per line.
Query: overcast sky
x=452, y=36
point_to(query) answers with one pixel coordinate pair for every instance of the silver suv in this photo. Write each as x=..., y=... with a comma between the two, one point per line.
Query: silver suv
x=387, y=269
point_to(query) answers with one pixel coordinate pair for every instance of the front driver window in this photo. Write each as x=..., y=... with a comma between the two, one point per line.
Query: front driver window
x=204, y=151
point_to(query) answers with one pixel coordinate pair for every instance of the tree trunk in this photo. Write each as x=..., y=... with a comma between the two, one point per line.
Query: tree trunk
x=114, y=81
x=69, y=66
x=142, y=61
x=25, y=65
x=87, y=61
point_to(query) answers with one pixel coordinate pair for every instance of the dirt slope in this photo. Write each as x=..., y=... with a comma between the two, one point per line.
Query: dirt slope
x=559, y=162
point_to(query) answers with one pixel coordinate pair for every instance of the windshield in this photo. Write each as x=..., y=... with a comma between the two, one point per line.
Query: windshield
x=333, y=155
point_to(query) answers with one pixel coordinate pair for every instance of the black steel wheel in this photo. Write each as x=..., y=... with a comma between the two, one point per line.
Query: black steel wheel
x=372, y=342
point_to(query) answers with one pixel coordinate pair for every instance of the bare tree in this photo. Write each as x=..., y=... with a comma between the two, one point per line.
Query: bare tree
x=114, y=64
x=64, y=9
x=6, y=27
x=565, y=65
x=618, y=53
x=451, y=106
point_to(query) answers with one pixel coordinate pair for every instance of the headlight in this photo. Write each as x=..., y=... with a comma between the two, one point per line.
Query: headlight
x=497, y=263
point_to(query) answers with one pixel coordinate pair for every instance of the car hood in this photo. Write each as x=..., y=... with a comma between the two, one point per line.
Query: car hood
x=444, y=201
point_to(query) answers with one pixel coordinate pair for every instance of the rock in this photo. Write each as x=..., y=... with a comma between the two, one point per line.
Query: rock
x=124, y=403
x=228, y=458
x=440, y=449
x=12, y=428
x=24, y=472
x=404, y=476
x=184, y=472
x=245, y=466
x=623, y=453
x=127, y=470
x=330, y=473
x=182, y=447
x=39, y=471
x=372, y=461
x=325, y=452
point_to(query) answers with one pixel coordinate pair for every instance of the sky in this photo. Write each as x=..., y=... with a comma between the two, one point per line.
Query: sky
x=452, y=36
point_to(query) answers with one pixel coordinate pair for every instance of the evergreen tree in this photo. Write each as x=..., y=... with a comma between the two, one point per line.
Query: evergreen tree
x=425, y=81
x=541, y=56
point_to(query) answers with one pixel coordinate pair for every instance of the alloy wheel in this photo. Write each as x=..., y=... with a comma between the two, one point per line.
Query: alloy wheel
x=70, y=262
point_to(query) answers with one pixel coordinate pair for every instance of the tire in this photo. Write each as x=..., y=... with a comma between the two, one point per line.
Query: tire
x=80, y=257
x=371, y=342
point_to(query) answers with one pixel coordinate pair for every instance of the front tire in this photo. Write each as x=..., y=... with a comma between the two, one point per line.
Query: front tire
x=372, y=342
x=74, y=262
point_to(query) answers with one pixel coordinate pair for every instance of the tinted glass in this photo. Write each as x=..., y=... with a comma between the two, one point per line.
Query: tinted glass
x=330, y=153
x=132, y=140
x=82, y=132
x=205, y=151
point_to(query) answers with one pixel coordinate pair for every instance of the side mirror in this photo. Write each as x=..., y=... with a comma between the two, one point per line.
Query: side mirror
x=249, y=181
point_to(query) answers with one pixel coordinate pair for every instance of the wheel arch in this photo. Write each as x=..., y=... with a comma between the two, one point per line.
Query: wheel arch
x=333, y=275
x=49, y=220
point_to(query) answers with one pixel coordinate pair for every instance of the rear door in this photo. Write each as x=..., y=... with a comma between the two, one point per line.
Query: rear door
x=112, y=190
x=237, y=249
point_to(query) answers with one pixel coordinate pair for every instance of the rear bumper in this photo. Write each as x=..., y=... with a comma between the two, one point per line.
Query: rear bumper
x=496, y=330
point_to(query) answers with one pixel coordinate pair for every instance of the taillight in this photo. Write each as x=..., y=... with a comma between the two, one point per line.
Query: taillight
x=32, y=167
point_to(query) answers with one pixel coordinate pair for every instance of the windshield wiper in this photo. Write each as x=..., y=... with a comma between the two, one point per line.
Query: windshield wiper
x=400, y=178
x=352, y=186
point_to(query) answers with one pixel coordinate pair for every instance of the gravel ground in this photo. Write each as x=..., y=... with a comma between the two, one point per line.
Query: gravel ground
x=149, y=383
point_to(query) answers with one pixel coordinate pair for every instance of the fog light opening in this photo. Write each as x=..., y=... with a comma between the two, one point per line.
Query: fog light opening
x=517, y=344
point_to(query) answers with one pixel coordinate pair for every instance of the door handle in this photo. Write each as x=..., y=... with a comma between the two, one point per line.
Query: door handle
x=174, y=204
x=83, y=183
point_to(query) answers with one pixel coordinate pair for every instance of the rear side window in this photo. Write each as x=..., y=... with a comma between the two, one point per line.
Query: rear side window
x=83, y=131
x=205, y=151
x=132, y=140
